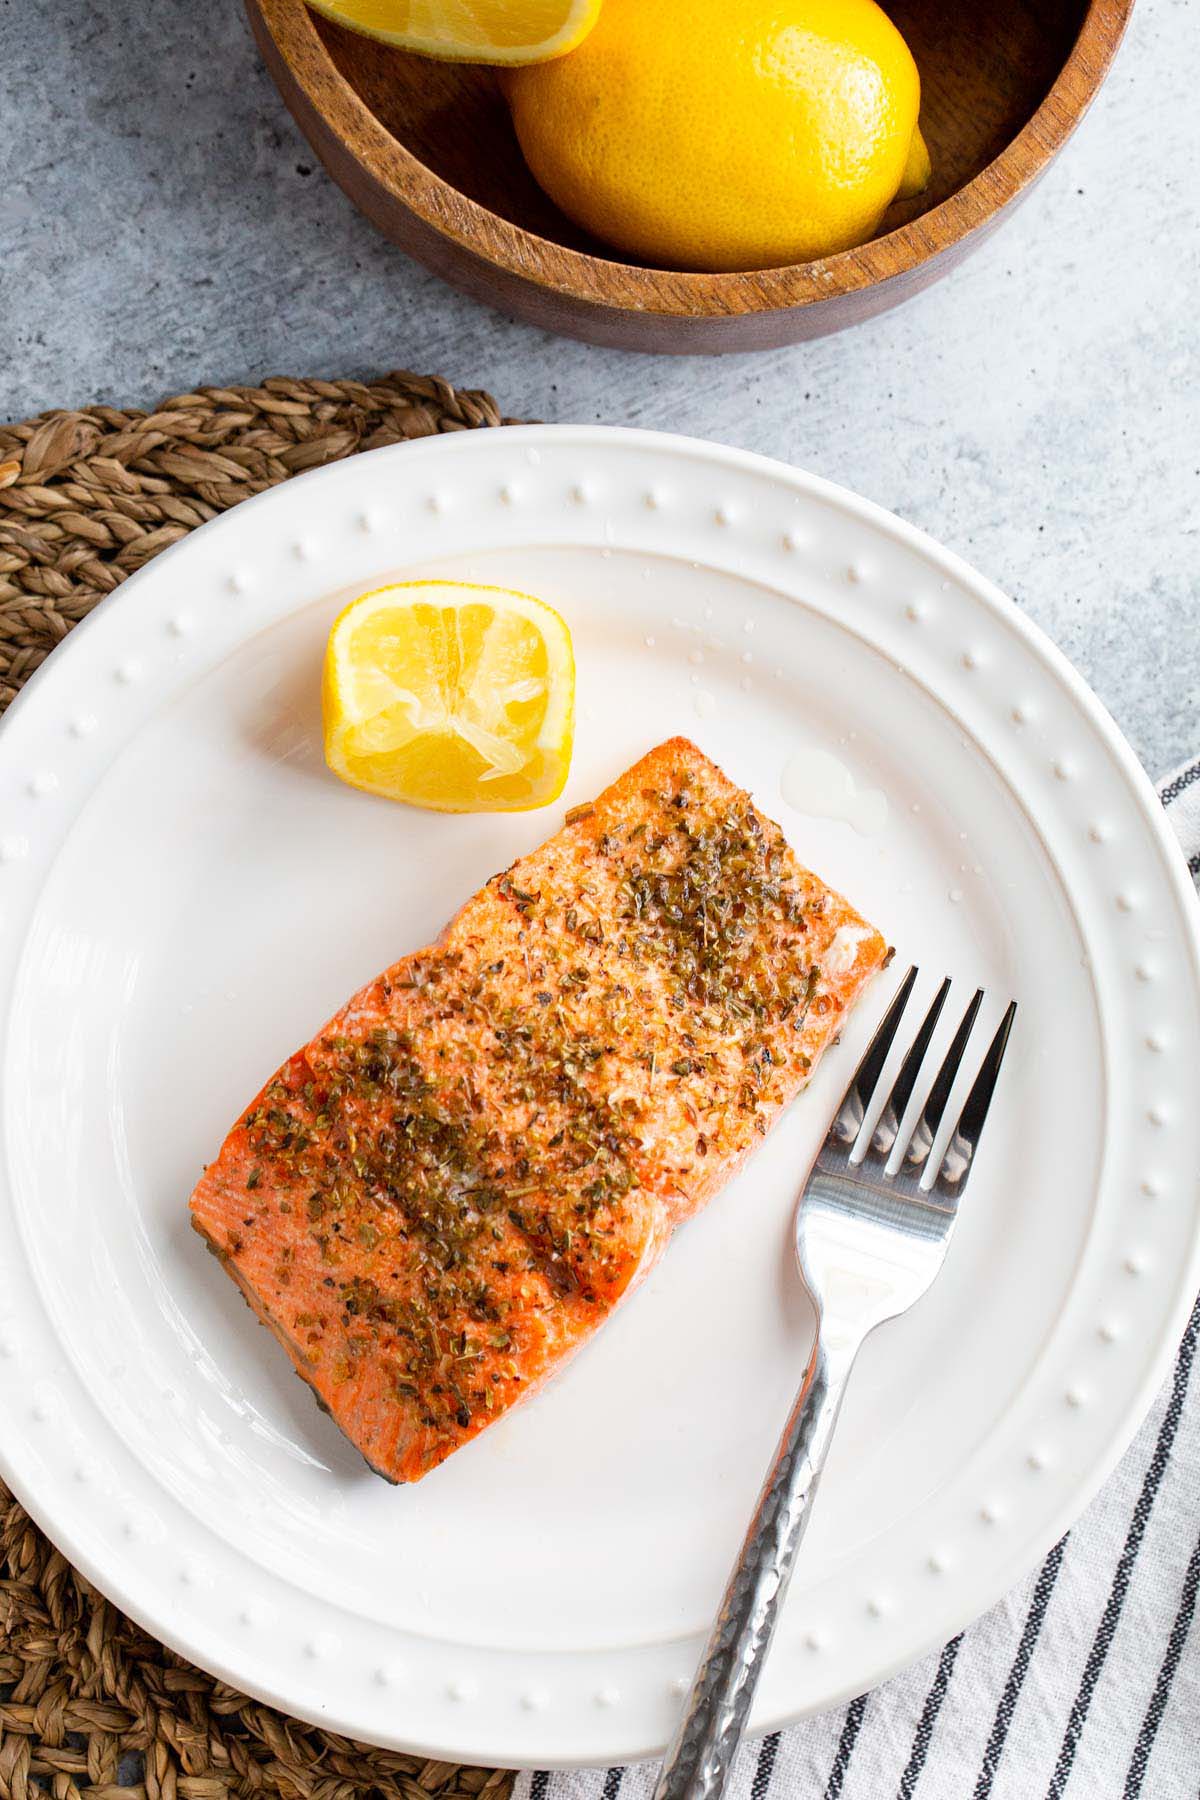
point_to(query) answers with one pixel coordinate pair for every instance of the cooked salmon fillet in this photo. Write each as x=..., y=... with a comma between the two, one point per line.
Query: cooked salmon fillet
x=445, y=1192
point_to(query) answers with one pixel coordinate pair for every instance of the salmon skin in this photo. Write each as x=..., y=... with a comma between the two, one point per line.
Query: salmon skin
x=445, y=1192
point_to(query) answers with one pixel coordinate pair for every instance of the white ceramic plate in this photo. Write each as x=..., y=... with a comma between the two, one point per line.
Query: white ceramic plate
x=185, y=894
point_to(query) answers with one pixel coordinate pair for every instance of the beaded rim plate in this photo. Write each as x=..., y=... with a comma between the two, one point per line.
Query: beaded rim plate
x=185, y=894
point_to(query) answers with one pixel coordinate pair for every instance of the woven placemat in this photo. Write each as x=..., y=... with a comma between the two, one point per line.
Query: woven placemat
x=89, y=1703
x=87, y=497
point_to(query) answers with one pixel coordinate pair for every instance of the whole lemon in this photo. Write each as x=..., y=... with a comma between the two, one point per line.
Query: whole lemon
x=726, y=134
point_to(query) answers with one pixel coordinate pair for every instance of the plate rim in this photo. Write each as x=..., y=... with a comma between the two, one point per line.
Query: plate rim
x=879, y=520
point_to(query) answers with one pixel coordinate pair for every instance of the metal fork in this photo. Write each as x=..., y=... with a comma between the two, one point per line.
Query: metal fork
x=869, y=1243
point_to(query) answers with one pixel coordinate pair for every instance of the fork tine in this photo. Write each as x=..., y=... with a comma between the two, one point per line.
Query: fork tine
x=888, y=1128
x=857, y=1097
x=926, y=1128
x=960, y=1153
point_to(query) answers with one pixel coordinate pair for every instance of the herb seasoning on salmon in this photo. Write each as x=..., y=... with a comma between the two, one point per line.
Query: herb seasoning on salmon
x=436, y=1200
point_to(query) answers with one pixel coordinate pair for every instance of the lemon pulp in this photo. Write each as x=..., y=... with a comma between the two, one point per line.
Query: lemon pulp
x=450, y=696
x=488, y=31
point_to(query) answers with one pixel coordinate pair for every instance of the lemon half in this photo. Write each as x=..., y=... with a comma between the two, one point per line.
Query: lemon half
x=450, y=696
x=487, y=31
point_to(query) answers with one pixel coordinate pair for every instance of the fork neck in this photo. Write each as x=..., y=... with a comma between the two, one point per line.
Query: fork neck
x=836, y=1344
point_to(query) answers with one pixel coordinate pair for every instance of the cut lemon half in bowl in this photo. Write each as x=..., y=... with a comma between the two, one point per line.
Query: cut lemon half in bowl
x=450, y=696
x=486, y=31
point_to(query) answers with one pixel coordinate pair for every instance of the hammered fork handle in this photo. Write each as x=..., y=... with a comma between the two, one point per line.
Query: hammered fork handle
x=698, y=1762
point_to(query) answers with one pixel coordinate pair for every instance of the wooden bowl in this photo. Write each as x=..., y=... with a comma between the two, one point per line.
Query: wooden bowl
x=428, y=152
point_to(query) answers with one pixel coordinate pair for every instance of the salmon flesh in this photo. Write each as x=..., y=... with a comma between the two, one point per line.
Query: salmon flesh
x=446, y=1191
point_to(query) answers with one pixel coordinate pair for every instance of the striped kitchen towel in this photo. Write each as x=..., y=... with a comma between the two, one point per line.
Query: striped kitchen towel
x=1083, y=1684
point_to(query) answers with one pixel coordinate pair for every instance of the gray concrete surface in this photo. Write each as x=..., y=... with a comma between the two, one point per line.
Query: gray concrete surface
x=162, y=223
